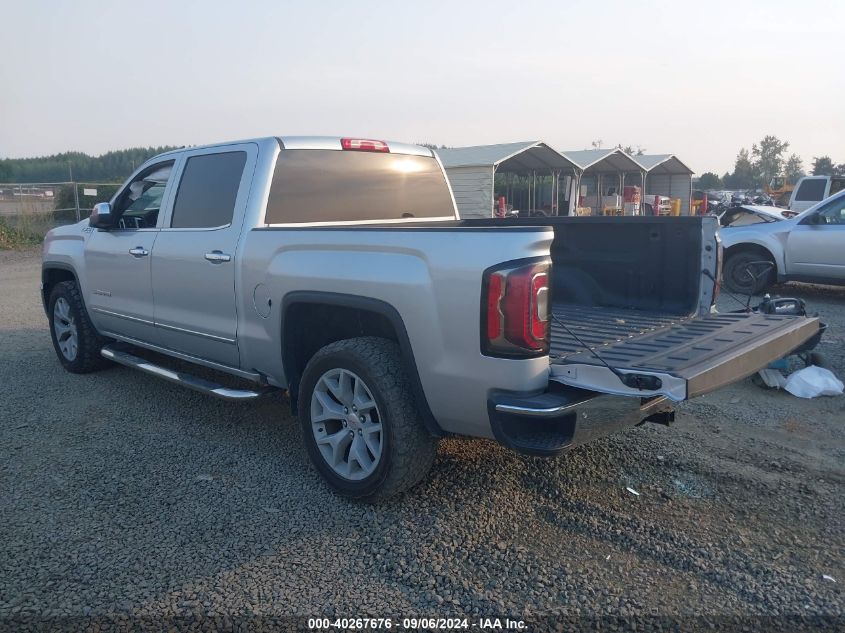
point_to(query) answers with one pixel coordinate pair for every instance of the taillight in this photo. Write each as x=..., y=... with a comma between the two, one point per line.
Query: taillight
x=495, y=291
x=516, y=306
x=364, y=145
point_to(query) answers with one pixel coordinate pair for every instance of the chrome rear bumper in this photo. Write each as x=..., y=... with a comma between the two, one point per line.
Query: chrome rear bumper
x=552, y=422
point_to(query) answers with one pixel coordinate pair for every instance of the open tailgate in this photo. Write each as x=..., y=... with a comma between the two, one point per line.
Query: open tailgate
x=680, y=360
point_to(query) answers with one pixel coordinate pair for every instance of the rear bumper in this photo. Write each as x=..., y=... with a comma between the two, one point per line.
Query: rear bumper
x=549, y=423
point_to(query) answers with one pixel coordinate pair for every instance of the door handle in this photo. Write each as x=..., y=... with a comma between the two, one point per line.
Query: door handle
x=218, y=257
x=139, y=251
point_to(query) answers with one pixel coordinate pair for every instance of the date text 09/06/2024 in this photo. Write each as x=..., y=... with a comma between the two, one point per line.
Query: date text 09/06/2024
x=417, y=623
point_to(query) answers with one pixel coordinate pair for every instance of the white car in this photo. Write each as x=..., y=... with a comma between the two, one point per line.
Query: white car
x=809, y=247
x=813, y=189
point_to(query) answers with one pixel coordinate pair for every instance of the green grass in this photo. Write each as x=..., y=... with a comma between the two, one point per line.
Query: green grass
x=22, y=231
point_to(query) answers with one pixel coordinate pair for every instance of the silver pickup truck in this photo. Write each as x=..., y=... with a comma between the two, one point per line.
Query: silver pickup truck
x=337, y=269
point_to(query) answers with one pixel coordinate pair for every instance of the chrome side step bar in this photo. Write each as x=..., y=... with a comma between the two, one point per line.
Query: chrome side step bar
x=181, y=378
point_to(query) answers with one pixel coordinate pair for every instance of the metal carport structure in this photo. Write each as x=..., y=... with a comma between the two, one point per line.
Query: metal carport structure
x=603, y=165
x=666, y=175
x=472, y=171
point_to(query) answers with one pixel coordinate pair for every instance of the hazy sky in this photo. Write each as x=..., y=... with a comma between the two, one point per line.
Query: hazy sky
x=696, y=79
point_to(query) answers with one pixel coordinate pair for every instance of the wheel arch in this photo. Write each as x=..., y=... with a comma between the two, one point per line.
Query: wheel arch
x=53, y=273
x=312, y=319
x=754, y=247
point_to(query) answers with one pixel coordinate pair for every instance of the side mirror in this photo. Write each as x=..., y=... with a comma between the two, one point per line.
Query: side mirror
x=101, y=216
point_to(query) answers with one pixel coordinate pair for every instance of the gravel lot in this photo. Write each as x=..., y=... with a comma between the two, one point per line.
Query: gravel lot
x=133, y=500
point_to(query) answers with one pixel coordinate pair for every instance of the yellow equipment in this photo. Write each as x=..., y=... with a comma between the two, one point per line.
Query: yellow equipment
x=676, y=206
x=779, y=191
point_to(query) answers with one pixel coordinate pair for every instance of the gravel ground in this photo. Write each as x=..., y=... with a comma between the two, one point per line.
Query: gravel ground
x=132, y=500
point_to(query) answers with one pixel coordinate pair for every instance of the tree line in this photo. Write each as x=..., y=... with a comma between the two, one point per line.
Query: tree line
x=112, y=166
x=753, y=168
x=767, y=159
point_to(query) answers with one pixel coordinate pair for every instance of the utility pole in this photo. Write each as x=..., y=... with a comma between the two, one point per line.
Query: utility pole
x=75, y=190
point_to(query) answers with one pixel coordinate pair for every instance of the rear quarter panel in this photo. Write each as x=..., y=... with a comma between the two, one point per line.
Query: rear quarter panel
x=431, y=276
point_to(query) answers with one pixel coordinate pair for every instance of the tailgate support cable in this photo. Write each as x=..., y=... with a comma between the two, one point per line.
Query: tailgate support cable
x=643, y=382
x=747, y=303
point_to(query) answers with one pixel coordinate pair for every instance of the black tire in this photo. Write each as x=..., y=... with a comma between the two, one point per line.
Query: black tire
x=735, y=274
x=408, y=450
x=89, y=342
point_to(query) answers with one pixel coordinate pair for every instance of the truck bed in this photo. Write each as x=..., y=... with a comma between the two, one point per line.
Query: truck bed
x=637, y=293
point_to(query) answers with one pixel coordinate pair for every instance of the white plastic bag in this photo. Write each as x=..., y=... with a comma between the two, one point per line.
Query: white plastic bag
x=813, y=381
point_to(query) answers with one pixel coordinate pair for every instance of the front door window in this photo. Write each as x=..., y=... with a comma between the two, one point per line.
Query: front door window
x=138, y=206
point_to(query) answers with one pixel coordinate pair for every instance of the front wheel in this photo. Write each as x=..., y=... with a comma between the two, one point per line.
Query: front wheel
x=75, y=340
x=747, y=273
x=360, y=422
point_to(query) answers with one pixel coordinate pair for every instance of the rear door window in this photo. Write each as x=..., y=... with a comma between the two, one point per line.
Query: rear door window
x=208, y=190
x=343, y=186
x=811, y=190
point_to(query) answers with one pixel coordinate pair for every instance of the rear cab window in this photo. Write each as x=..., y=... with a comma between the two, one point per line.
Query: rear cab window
x=811, y=190
x=321, y=186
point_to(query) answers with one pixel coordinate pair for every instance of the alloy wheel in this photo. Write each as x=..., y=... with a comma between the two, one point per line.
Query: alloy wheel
x=64, y=327
x=347, y=425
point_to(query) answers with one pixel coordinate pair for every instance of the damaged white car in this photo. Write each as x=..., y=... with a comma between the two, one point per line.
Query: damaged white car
x=761, y=248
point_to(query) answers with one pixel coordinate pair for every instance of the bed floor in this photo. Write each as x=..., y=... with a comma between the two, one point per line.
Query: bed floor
x=598, y=327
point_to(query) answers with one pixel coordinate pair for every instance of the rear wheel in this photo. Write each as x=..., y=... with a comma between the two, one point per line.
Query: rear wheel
x=747, y=272
x=75, y=340
x=359, y=420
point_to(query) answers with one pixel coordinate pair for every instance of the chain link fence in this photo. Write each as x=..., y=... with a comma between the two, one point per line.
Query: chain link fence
x=32, y=209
